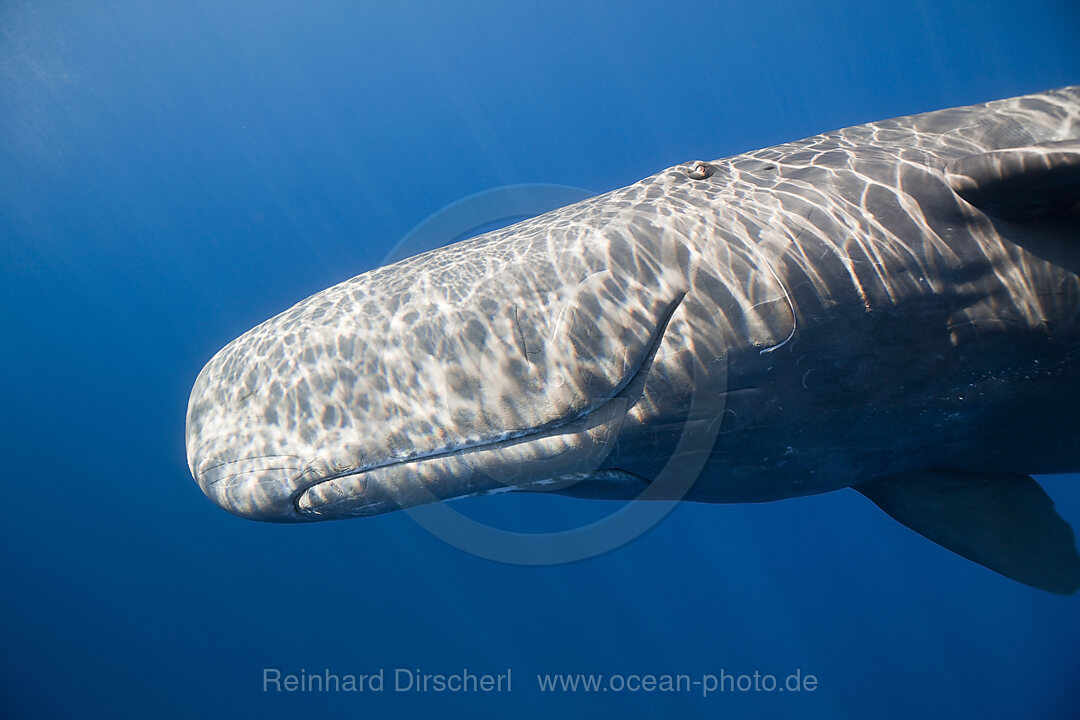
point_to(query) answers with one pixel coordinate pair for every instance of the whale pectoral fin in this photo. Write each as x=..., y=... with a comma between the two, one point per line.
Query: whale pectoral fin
x=1020, y=183
x=1004, y=522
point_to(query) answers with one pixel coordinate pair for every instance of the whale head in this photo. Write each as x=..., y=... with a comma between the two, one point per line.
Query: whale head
x=499, y=363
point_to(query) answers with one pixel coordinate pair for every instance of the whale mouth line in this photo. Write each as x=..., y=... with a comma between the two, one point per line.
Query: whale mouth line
x=619, y=392
x=444, y=453
x=477, y=448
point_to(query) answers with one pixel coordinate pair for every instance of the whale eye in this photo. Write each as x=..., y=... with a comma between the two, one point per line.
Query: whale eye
x=699, y=171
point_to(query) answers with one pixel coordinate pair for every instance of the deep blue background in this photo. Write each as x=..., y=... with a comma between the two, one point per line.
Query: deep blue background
x=172, y=173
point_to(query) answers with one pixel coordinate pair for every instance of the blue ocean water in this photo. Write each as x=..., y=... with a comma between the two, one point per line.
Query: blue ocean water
x=173, y=173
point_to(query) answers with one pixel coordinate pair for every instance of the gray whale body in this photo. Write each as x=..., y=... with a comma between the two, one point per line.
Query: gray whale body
x=892, y=307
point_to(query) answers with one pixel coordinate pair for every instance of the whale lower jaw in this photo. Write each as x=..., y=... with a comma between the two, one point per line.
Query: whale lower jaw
x=527, y=462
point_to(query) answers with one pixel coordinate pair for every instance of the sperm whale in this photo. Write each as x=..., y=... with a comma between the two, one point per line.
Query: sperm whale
x=892, y=307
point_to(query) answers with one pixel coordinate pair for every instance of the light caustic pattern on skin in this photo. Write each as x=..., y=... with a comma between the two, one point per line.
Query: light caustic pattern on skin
x=516, y=342
x=868, y=221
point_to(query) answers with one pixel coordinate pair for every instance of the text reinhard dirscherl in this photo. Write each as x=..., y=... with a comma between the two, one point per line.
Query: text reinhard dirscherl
x=416, y=680
x=401, y=680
